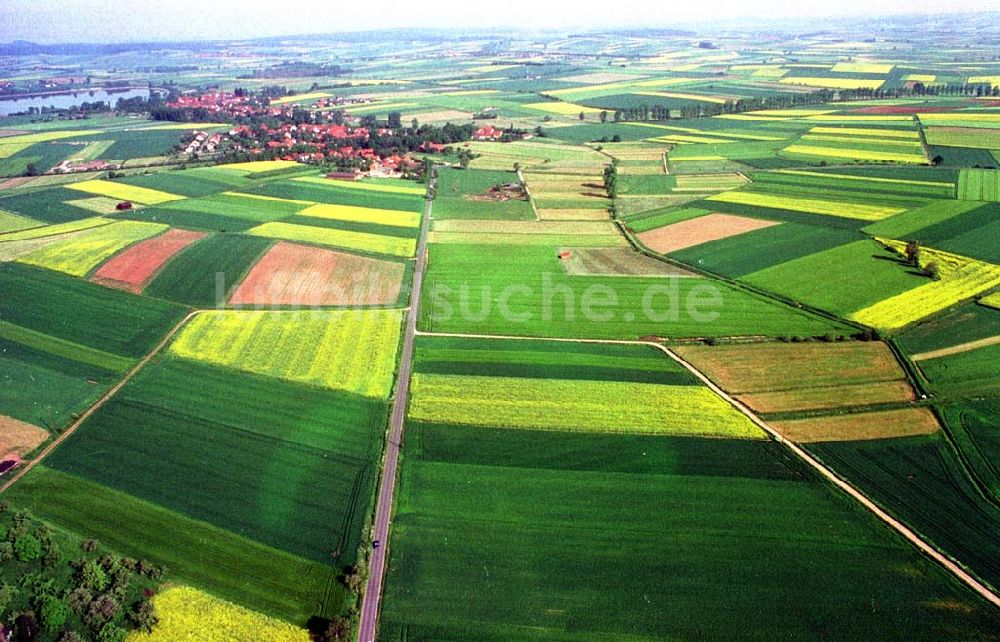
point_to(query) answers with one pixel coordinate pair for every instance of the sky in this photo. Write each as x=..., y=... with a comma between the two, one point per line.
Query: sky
x=53, y=21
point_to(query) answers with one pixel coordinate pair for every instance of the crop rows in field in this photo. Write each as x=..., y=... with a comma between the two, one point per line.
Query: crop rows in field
x=352, y=350
x=549, y=503
x=290, y=274
x=979, y=185
x=133, y=268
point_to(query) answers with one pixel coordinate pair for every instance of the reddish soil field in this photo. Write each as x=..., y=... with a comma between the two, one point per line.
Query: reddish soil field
x=291, y=274
x=696, y=231
x=132, y=269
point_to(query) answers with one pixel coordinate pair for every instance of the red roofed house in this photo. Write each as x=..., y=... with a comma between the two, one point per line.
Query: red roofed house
x=488, y=132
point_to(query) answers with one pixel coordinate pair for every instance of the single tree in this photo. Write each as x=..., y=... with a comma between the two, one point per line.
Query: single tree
x=604, y=116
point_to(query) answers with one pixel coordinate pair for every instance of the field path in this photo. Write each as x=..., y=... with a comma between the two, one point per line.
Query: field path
x=927, y=549
x=21, y=472
x=368, y=621
x=962, y=347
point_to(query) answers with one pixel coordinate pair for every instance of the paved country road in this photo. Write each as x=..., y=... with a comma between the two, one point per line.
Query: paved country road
x=383, y=510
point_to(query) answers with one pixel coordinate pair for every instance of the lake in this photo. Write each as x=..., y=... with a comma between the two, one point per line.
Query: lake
x=65, y=101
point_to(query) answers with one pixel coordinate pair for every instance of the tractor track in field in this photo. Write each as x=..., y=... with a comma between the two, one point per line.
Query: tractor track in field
x=107, y=396
x=819, y=467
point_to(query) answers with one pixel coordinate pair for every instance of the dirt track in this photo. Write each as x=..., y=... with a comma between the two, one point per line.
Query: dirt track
x=21, y=472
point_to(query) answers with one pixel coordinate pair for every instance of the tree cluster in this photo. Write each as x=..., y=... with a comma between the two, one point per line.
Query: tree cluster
x=49, y=595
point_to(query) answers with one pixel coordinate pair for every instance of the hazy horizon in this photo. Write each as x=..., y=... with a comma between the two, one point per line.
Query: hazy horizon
x=90, y=21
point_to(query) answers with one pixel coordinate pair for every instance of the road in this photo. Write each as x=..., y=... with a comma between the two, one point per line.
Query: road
x=911, y=536
x=21, y=472
x=368, y=622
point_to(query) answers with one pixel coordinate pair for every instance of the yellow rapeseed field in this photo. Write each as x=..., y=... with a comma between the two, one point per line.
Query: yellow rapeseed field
x=125, y=192
x=351, y=350
x=961, y=278
x=858, y=154
x=577, y=406
x=80, y=254
x=810, y=205
x=256, y=167
x=834, y=83
x=316, y=95
x=346, y=239
x=189, y=615
x=363, y=215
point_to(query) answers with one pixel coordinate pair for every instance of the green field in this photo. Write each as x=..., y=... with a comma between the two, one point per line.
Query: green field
x=230, y=566
x=536, y=520
x=744, y=254
x=979, y=185
x=82, y=312
x=456, y=187
x=464, y=283
x=920, y=479
x=842, y=279
x=192, y=277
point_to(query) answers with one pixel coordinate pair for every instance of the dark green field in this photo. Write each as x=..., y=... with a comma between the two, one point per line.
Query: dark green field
x=584, y=537
x=181, y=183
x=285, y=465
x=47, y=205
x=920, y=480
x=194, y=552
x=297, y=190
x=191, y=278
x=83, y=312
x=744, y=254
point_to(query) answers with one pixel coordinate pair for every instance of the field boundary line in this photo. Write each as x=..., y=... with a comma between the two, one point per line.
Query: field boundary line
x=911, y=536
x=98, y=404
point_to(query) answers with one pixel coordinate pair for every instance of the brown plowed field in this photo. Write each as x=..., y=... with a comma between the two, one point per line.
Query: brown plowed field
x=292, y=274
x=696, y=231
